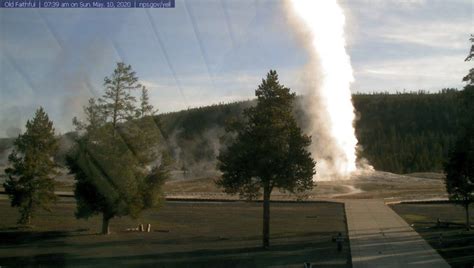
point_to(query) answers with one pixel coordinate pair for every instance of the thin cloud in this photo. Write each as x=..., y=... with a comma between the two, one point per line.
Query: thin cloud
x=431, y=73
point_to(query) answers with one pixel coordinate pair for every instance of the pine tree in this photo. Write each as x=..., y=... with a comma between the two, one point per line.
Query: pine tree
x=95, y=117
x=118, y=102
x=459, y=168
x=30, y=183
x=269, y=150
x=469, y=78
x=117, y=170
x=460, y=174
x=146, y=108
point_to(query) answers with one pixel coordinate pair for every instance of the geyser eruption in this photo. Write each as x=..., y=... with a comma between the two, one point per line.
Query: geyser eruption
x=320, y=27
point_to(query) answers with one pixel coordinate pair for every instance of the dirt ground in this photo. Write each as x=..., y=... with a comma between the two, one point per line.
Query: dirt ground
x=194, y=234
x=366, y=185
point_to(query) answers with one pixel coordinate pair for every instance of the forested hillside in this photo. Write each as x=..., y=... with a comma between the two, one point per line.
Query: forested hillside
x=194, y=137
x=406, y=132
x=400, y=133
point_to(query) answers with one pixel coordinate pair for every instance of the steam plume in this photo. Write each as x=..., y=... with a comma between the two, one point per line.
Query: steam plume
x=328, y=75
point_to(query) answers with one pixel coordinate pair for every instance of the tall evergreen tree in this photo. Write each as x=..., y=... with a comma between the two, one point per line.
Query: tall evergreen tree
x=269, y=150
x=118, y=102
x=117, y=171
x=459, y=168
x=460, y=174
x=30, y=183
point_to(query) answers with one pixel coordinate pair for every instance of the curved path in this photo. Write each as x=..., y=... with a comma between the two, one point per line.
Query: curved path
x=381, y=238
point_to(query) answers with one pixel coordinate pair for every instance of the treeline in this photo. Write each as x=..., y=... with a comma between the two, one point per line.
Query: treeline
x=193, y=137
x=407, y=132
x=400, y=133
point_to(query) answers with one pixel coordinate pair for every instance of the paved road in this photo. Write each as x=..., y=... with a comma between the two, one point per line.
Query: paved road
x=380, y=238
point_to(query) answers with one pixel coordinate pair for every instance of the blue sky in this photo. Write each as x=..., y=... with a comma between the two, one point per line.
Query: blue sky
x=205, y=52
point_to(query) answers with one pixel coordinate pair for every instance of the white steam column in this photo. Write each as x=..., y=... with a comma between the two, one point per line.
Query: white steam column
x=320, y=26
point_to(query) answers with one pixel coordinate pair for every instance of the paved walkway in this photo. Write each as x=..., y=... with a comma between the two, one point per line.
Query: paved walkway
x=381, y=238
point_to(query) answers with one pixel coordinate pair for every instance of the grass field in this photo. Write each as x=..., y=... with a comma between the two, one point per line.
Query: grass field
x=184, y=234
x=457, y=245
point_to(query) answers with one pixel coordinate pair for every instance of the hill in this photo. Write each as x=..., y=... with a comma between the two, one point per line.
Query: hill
x=399, y=133
x=407, y=132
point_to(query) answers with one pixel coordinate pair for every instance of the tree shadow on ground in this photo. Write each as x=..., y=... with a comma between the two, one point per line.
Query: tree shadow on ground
x=281, y=254
x=14, y=237
x=50, y=259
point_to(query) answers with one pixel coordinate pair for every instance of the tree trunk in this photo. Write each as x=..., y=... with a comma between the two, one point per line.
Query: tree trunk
x=266, y=216
x=105, y=224
x=28, y=212
x=468, y=224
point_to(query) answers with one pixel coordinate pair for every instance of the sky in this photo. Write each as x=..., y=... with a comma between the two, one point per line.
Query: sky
x=216, y=51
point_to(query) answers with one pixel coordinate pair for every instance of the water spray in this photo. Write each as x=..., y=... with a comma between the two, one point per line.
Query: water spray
x=320, y=26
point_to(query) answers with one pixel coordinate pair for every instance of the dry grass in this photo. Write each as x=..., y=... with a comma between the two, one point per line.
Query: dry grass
x=202, y=234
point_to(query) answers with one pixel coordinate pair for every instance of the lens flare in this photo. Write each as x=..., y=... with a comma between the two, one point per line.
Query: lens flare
x=320, y=24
